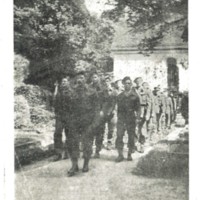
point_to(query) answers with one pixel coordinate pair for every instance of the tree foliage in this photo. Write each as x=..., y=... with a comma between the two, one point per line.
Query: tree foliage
x=57, y=36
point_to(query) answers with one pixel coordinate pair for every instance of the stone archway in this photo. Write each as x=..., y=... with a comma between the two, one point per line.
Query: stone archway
x=172, y=74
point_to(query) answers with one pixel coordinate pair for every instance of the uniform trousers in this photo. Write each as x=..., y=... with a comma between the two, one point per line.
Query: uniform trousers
x=81, y=131
x=100, y=130
x=126, y=123
x=62, y=123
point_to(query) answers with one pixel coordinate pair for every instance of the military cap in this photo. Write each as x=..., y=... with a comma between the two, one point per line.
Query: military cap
x=80, y=73
x=125, y=79
x=137, y=78
x=107, y=78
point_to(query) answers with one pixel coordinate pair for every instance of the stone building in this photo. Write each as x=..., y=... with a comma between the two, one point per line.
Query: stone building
x=166, y=66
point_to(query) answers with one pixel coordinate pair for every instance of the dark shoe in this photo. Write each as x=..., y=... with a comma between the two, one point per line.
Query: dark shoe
x=85, y=169
x=119, y=159
x=73, y=171
x=65, y=156
x=109, y=145
x=141, y=149
x=85, y=165
x=57, y=157
x=96, y=155
x=129, y=158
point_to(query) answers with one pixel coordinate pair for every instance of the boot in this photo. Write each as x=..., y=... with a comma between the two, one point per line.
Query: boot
x=57, y=157
x=65, y=156
x=85, y=165
x=109, y=145
x=129, y=158
x=96, y=155
x=141, y=148
x=74, y=168
x=120, y=157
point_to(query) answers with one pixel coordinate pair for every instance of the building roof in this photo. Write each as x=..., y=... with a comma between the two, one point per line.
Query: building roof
x=174, y=37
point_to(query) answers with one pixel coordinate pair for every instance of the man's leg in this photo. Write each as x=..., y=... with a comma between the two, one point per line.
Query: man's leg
x=99, y=131
x=65, y=147
x=119, y=140
x=131, y=138
x=73, y=149
x=111, y=126
x=58, y=145
x=158, y=121
x=87, y=146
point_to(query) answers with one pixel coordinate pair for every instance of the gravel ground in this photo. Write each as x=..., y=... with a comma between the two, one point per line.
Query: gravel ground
x=106, y=180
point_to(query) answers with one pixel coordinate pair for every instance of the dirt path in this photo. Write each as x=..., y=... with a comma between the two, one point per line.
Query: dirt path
x=106, y=180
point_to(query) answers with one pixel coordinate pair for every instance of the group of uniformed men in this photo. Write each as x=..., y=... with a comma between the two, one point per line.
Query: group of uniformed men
x=82, y=110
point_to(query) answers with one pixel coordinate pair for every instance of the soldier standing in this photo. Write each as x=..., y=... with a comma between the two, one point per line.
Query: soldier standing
x=145, y=104
x=108, y=103
x=84, y=110
x=63, y=102
x=159, y=103
x=168, y=109
x=185, y=107
x=128, y=111
x=174, y=103
x=98, y=122
x=152, y=118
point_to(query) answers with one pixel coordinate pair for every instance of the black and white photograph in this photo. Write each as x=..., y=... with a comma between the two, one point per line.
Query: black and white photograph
x=101, y=100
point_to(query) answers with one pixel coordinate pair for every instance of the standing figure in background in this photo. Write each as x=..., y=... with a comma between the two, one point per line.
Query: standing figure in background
x=85, y=105
x=63, y=110
x=151, y=121
x=106, y=116
x=128, y=112
x=168, y=109
x=145, y=105
x=109, y=98
x=174, y=103
x=98, y=122
x=185, y=107
x=159, y=103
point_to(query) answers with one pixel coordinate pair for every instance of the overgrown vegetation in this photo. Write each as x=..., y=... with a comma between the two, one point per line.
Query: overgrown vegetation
x=59, y=36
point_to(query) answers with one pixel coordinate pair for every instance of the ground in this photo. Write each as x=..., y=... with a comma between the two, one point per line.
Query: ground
x=106, y=180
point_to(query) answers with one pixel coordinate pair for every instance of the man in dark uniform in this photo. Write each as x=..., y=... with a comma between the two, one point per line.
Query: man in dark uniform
x=99, y=128
x=128, y=112
x=62, y=102
x=84, y=111
x=106, y=115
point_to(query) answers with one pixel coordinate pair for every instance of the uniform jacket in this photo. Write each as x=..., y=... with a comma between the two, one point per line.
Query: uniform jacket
x=145, y=102
x=159, y=102
x=168, y=105
x=98, y=89
x=108, y=101
x=128, y=106
x=63, y=102
x=85, y=102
